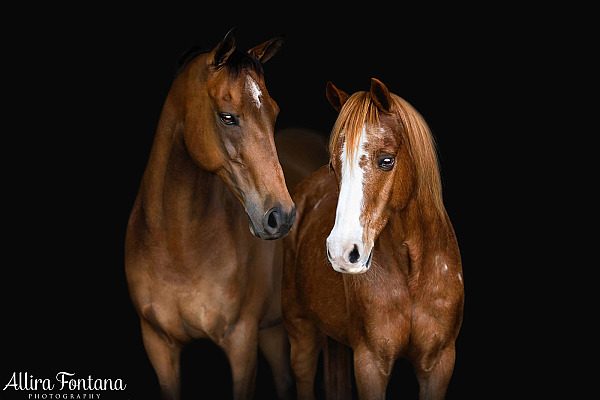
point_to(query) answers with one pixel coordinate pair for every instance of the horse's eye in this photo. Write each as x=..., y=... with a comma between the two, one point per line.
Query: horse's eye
x=228, y=119
x=386, y=162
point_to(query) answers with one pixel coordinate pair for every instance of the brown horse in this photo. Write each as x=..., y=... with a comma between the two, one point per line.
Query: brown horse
x=193, y=268
x=376, y=215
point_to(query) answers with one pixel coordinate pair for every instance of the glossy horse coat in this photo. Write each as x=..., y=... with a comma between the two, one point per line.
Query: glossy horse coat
x=372, y=260
x=196, y=264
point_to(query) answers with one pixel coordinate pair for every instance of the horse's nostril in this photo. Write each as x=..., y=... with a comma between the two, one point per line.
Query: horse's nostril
x=354, y=255
x=272, y=220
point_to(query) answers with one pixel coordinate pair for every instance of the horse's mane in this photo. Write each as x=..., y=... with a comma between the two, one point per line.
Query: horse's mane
x=237, y=61
x=359, y=111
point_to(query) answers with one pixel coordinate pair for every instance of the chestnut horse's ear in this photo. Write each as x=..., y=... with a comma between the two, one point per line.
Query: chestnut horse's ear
x=263, y=52
x=381, y=95
x=336, y=97
x=223, y=50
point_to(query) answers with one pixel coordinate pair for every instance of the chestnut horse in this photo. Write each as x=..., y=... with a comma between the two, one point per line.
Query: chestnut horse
x=373, y=260
x=193, y=268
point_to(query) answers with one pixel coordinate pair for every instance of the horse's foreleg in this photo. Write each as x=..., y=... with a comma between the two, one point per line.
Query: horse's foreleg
x=241, y=347
x=434, y=379
x=274, y=344
x=164, y=355
x=372, y=374
x=306, y=343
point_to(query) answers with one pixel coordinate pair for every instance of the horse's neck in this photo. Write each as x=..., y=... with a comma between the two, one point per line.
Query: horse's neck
x=426, y=233
x=174, y=188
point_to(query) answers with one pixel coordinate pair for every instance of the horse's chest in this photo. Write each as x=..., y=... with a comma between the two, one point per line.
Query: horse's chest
x=195, y=284
x=210, y=310
x=198, y=299
x=379, y=309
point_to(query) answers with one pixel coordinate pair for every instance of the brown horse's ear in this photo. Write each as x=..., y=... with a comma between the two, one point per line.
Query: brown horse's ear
x=336, y=97
x=223, y=50
x=263, y=52
x=381, y=95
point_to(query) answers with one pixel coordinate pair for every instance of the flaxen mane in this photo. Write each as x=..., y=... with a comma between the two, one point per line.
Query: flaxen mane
x=356, y=112
x=359, y=111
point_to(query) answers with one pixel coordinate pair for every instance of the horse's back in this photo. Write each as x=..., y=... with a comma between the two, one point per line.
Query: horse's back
x=301, y=152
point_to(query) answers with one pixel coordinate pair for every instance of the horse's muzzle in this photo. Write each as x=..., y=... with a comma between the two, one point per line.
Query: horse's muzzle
x=275, y=224
x=351, y=261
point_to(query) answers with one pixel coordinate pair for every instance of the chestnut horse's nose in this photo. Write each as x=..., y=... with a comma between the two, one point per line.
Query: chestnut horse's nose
x=277, y=222
x=354, y=255
x=348, y=255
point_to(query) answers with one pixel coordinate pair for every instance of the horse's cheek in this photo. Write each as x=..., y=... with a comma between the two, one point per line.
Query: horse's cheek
x=203, y=149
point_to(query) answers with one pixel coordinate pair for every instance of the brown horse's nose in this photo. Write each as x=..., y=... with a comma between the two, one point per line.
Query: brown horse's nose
x=277, y=222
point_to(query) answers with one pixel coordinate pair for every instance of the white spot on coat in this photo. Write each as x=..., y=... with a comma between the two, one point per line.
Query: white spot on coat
x=254, y=90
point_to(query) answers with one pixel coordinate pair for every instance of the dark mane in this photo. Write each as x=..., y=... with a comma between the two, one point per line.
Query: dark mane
x=237, y=61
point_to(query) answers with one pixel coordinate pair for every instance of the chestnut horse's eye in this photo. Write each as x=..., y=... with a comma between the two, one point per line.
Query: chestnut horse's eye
x=386, y=162
x=228, y=119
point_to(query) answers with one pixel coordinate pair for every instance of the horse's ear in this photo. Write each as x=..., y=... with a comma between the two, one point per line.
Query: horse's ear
x=223, y=50
x=336, y=97
x=263, y=52
x=381, y=95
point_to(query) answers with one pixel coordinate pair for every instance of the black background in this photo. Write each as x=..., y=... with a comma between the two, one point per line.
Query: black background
x=84, y=91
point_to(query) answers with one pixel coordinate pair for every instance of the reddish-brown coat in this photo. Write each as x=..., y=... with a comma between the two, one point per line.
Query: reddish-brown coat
x=409, y=303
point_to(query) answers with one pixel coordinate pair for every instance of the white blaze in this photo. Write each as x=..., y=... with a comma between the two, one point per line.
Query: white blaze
x=347, y=229
x=252, y=86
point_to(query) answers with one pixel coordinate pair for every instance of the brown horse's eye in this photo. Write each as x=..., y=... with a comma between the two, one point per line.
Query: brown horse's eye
x=386, y=162
x=228, y=119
